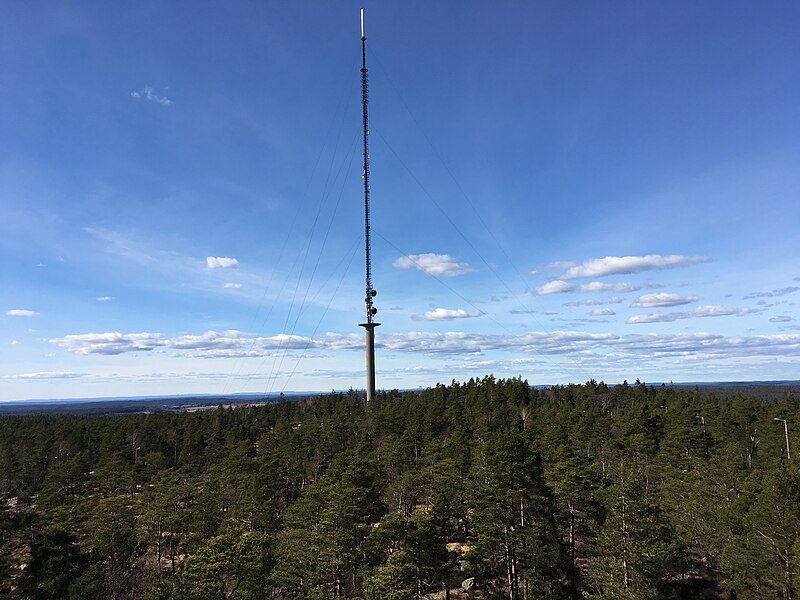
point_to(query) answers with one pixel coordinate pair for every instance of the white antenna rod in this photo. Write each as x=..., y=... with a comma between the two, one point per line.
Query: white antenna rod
x=363, y=36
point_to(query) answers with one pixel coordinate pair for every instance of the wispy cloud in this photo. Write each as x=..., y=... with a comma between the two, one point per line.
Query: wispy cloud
x=595, y=302
x=149, y=94
x=105, y=298
x=212, y=343
x=780, y=319
x=232, y=286
x=221, y=262
x=625, y=265
x=662, y=299
x=21, y=312
x=109, y=343
x=560, y=264
x=784, y=291
x=700, y=311
x=445, y=314
x=597, y=286
x=590, y=347
x=558, y=286
x=179, y=270
x=601, y=312
x=440, y=265
x=44, y=375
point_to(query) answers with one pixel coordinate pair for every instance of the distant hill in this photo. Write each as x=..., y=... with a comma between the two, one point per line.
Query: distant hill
x=139, y=404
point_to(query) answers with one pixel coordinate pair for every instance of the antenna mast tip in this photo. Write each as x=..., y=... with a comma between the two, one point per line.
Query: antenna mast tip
x=363, y=35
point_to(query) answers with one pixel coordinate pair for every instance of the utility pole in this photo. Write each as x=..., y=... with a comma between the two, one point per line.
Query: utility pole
x=786, y=432
x=369, y=325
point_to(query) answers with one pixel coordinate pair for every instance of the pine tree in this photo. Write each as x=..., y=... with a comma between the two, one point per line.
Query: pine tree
x=637, y=557
x=516, y=537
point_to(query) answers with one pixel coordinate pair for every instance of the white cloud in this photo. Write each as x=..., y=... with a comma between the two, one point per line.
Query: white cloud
x=592, y=348
x=442, y=265
x=662, y=299
x=619, y=265
x=533, y=271
x=700, y=311
x=709, y=345
x=21, y=312
x=719, y=311
x=232, y=286
x=14, y=342
x=211, y=344
x=233, y=343
x=445, y=314
x=105, y=298
x=597, y=286
x=221, y=262
x=109, y=343
x=557, y=286
x=149, y=94
x=600, y=312
x=459, y=343
x=554, y=287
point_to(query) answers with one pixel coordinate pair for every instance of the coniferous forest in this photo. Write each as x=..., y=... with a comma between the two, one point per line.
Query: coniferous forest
x=484, y=489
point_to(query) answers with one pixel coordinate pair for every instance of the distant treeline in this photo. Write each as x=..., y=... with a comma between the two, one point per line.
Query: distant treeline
x=118, y=406
x=484, y=489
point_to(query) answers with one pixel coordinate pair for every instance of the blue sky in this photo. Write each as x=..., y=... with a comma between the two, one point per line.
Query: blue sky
x=606, y=190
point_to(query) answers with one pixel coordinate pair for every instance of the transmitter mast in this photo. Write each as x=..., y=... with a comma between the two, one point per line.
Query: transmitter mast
x=369, y=325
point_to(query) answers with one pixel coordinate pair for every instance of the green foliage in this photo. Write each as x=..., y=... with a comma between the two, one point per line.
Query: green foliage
x=574, y=491
x=228, y=566
x=411, y=559
x=327, y=529
x=637, y=558
x=514, y=518
x=55, y=561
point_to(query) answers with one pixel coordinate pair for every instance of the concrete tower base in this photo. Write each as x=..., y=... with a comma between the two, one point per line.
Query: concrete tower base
x=369, y=330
